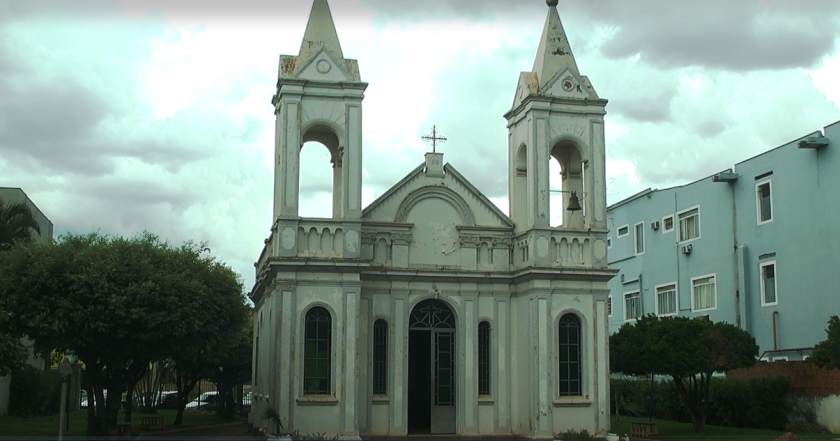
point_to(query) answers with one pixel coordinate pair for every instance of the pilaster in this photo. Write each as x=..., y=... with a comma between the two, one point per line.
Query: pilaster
x=399, y=375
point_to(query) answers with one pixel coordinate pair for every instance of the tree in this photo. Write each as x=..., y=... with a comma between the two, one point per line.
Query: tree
x=826, y=353
x=234, y=368
x=687, y=350
x=119, y=304
x=16, y=224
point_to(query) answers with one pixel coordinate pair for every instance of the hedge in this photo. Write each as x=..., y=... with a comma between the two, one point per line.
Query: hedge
x=758, y=403
x=34, y=392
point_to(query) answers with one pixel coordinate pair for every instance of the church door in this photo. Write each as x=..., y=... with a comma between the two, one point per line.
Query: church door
x=431, y=368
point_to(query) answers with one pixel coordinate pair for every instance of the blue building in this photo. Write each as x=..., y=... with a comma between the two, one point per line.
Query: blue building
x=755, y=246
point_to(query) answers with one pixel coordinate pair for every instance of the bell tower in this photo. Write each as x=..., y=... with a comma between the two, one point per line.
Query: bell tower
x=556, y=114
x=319, y=98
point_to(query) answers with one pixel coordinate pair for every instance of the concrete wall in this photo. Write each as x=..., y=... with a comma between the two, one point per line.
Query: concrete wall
x=733, y=245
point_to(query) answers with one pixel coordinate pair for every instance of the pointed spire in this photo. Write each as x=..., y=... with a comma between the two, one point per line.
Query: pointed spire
x=320, y=32
x=554, y=54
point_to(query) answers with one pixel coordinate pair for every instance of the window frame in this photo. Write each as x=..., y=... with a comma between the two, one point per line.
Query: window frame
x=641, y=308
x=609, y=306
x=761, y=282
x=484, y=361
x=380, y=359
x=664, y=229
x=769, y=183
x=678, y=220
x=618, y=234
x=331, y=350
x=676, y=299
x=636, y=230
x=706, y=276
x=609, y=242
x=581, y=353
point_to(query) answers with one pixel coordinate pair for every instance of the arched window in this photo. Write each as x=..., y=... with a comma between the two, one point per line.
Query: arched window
x=484, y=358
x=569, y=355
x=380, y=357
x=317, y=369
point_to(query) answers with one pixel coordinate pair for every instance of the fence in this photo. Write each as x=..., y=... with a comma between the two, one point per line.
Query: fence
x=805, y=377
x=202, y=398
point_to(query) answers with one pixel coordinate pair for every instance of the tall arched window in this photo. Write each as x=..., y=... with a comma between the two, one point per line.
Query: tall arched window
x=317, y=336
x=380, y=357
x=569, y=355
x=484, y=358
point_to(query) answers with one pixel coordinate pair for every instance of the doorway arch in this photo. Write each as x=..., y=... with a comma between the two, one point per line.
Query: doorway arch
x=431, y=368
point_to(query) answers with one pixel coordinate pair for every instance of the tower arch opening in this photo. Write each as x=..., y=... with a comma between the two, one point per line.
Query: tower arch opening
x=566, y=176
x=320, y=173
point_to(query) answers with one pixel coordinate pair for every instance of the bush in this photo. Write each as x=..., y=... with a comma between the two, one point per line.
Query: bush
x=754, y=402
x=34, y=392
x=661, y=400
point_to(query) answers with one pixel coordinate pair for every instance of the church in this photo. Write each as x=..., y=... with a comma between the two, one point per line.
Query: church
x=431, y=311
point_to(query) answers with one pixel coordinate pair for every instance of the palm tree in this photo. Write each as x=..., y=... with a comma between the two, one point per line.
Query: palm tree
x=16, y=224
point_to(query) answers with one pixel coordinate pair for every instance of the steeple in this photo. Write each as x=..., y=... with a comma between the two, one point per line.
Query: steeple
x=320, y=32
x=554, y=54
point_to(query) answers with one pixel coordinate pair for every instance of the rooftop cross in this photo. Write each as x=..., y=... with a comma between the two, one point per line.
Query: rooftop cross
x=434, y=138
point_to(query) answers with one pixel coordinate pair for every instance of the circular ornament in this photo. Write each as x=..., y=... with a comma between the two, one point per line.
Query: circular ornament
x=323, y=66
x=568, y=84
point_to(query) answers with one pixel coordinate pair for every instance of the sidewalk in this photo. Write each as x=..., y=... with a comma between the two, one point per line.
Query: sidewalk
x=237, y=430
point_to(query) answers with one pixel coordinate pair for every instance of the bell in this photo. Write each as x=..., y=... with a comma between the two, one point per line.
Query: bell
x=574, y=204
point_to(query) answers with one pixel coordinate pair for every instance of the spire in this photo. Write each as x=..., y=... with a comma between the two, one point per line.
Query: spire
x=320, y=32
x=554, y=54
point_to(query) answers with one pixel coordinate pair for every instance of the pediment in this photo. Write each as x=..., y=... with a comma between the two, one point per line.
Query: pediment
x=323, y=67
x=569, y=84
x=472, y=207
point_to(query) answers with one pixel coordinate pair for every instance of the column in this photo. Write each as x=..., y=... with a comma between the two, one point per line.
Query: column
x=399, y=374
x=503, y=359
x=601, y=362
x=288, y=327
x=349, y=400
x=468, y=378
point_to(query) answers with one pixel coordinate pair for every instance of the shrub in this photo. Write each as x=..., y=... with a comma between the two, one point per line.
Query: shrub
x=754, y=402
x=34, y=392
x=660, y=400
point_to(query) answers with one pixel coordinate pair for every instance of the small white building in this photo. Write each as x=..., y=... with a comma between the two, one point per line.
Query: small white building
x=430, y=311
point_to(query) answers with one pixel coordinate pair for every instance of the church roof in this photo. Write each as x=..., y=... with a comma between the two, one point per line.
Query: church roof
x=320, y=33
x=554, y=54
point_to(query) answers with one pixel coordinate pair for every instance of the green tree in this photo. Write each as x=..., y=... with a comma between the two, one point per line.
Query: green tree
x=119, y=304
x=688, y=350
x=234, y=368
x=16, y=224
x=826, y=353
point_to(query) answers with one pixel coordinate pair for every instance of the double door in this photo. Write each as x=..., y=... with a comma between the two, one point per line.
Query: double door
x=431, y=378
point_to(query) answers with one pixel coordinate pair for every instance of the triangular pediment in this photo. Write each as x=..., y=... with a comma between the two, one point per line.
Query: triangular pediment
x=474, y=208
x=323, y=67
x=569, y=84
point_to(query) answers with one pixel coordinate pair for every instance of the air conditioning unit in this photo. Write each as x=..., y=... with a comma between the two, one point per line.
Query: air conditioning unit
x=654, y=225
x=686, y=249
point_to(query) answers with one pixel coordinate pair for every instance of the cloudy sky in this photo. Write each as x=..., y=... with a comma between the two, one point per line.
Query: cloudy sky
x=132, y=115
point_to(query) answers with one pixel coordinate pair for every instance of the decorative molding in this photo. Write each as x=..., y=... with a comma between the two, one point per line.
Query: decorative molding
x=439, y=192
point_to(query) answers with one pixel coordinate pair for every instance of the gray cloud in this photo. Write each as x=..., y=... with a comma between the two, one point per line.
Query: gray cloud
x=653, y=109
x=710, y=129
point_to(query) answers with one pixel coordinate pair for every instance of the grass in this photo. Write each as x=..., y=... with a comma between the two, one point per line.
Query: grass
x=48, y=426
x=674, y=431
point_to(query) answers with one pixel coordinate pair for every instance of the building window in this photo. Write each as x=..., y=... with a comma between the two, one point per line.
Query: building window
x=632, y=305
x=570, y=359
x=609, y=306
x=380, y=357
x=609, y=242
x=623, y=231
x=667, y=223
x=640, y=238
x=703, y=292
x=689, y=224
x=764, y=202
x=768, y=283
x=484, y=358
x=666, y=299
x=317, y=340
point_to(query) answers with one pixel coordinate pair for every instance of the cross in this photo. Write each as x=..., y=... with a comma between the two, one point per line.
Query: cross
x=434, y=138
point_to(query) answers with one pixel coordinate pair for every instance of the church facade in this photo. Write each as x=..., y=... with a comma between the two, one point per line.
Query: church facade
x=430, y=311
